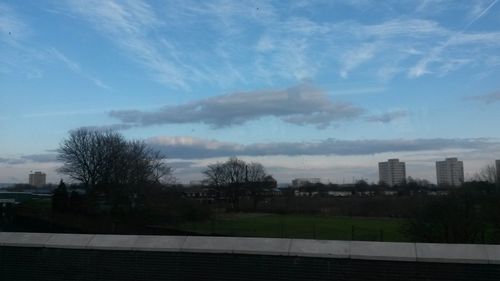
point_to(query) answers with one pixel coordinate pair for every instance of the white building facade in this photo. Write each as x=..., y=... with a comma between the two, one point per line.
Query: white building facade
x=392, y=172
x=450, y=172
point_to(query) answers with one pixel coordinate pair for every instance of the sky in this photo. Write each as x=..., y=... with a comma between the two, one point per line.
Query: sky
x=307, y=88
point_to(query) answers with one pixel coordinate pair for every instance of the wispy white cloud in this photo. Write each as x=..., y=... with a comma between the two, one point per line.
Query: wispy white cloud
x=426, y=4
x=130, y=25
x=477, y=7
x=457, y=38
x=450, y=65
x=16, y=56
x=75, y=68
x=480, y=11
x=402, y=28
x=262, y=39
x=139, y=30
x=21, y=55
x=285, y=46
x=354, y=58
x=388, y=71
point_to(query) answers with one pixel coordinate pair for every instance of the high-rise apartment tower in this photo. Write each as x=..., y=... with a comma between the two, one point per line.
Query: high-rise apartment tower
x=392, y=172
x=37, y=179
x=450, y=172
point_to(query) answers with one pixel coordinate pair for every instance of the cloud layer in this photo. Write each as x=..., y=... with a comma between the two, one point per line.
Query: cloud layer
x=33, y=158
x=195, y=148
x=179, y=147
x=302, y=105
x=330, y=158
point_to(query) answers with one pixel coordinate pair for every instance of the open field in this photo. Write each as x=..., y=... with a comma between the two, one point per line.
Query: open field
x=300, y=226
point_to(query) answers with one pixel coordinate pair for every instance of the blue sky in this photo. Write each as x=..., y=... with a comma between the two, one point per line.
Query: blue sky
x=308, y=88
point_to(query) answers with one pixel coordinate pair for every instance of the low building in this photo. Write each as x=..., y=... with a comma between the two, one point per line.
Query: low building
x=299, y=193
x=201, y=193
x=337, y=193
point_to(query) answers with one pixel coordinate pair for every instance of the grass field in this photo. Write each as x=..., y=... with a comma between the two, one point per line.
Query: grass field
x=301, y=226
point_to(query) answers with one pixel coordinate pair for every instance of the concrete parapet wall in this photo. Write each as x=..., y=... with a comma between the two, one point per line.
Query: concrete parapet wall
x=67, y=257
x=356, y=250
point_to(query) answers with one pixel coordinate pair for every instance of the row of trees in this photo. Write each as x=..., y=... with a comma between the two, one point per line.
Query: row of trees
x=105, y=162
x=121, y=172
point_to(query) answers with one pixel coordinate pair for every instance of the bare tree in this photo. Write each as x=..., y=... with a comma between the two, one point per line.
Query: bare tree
x=95, y=157
x=258, y=182
x=255, y=172
x=228, y=178
x=235, y=177
x=488, y=173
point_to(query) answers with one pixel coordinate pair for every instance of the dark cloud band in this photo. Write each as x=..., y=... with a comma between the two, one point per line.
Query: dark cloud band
x=194, y=148
x=190, y=148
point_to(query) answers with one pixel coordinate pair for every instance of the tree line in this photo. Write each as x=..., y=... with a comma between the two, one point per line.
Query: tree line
x=119, y=176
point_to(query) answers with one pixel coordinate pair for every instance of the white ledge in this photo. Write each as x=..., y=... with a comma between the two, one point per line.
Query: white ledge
x=113, y=242
x=320, y=248
x=456, y=253
x=69, y=241
x=385, y=251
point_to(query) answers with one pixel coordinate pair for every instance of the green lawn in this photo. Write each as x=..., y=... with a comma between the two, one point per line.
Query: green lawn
x=300, y=226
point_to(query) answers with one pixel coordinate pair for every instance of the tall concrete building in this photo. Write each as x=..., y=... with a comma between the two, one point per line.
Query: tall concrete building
x=450, y=172
x=392, y=172
x=37, y=179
